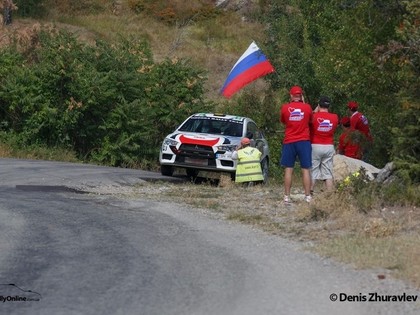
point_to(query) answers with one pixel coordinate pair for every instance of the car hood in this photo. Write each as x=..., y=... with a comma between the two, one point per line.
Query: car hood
x=203, y=138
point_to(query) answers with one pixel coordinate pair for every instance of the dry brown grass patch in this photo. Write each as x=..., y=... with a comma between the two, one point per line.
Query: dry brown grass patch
x=5, y=151
x=335, y=213
x=400, y=255
x=379, y=227
x=325, y=205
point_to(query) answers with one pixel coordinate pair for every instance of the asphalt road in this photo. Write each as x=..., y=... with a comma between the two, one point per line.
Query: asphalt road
x=68, y=252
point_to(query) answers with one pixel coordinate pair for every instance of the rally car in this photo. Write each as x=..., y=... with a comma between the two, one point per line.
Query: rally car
x=206, y=141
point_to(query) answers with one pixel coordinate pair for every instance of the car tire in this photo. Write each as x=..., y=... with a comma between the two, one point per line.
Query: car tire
x=166, y=170
x=264, y=169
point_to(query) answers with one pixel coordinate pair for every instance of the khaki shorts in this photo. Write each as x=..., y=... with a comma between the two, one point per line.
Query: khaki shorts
x=322, y=161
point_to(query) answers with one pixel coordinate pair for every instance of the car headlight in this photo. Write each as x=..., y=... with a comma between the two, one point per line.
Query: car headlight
x=170, y=142
x=226, y=147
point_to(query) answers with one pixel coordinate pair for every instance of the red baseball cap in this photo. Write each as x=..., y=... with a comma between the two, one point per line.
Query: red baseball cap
x=352, y=105
x=245, y=141
x=296, y=90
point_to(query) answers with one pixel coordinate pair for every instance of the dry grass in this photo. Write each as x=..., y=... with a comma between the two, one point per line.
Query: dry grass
x=5, y=151
x=399, y=255
x=214, y=44
x=385, y=238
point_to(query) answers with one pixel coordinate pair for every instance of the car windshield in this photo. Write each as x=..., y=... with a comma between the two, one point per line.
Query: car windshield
x=212, y=125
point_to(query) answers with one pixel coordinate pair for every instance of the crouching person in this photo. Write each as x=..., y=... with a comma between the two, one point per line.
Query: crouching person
x=248, y=169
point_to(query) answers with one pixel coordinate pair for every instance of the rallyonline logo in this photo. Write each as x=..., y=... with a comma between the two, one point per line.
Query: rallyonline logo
x=372, y=297
x=19, y=294
x=16, y=298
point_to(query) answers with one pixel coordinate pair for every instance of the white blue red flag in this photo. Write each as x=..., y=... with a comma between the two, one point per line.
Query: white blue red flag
x=252, y=65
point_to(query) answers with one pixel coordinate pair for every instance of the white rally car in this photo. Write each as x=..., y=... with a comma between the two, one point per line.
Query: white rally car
x=205, y=142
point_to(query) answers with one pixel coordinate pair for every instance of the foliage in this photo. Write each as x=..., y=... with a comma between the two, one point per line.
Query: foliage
x=357, y=189
x=104, y=102
x=137, y=128
x=357, y=186
x=406, y=143
x=289, y=48
x=401, y=55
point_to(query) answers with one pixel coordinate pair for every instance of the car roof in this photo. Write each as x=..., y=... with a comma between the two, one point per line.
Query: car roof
x=226, y=116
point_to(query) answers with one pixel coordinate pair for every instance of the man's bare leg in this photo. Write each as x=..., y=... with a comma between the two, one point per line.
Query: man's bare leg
x=288, y=173
x=306, y=176
x=329, y=184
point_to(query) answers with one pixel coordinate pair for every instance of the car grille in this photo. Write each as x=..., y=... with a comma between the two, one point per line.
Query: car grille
x=199, y=155
x=196, y=151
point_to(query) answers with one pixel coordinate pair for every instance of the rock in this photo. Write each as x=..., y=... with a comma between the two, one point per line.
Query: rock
x=345, y=166
x=385, y=173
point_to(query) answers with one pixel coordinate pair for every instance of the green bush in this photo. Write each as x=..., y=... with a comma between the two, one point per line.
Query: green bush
x=109, y=102
x=406, y=143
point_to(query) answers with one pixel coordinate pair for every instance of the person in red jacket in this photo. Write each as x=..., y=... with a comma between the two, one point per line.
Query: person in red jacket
x=323, y=128
x=359, y=122
x=296, y=116
x=347, y=144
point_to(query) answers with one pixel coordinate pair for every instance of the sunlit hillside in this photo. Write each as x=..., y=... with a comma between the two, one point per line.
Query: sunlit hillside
x=212, y=42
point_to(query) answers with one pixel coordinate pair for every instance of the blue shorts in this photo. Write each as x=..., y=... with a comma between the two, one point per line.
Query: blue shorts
x=300, y=149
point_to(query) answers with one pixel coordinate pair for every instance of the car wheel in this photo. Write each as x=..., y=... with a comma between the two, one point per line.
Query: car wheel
x=192, y=173
x=166, y=170
x=264, y=169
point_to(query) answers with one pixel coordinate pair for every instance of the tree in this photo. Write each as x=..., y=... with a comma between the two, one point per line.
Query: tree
x=402, y=56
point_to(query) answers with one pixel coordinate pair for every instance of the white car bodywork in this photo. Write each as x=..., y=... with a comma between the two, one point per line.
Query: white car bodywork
x=205, y=142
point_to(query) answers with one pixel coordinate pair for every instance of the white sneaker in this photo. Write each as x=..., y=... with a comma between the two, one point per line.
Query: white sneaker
x=287, y=199
x=308, y=198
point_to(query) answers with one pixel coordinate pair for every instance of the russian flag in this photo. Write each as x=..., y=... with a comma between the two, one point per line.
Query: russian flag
x=252, y=65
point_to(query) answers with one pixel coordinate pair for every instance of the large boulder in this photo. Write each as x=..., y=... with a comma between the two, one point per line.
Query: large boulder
x=345, y=166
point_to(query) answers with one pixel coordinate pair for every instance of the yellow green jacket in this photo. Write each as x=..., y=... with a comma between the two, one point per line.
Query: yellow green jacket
x=248, y=168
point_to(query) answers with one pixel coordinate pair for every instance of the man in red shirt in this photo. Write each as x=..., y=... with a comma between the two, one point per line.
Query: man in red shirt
x=359, y=122
x=296, y=116
x=347, y=143
x=323, y=127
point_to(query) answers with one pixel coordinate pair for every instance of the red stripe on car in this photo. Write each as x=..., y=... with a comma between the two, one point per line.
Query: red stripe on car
x=209, y=142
